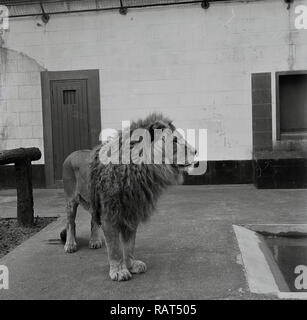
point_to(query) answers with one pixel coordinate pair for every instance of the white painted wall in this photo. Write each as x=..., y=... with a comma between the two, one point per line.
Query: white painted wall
x=191, y=64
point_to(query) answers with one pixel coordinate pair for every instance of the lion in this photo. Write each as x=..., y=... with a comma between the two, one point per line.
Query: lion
x=120, y=195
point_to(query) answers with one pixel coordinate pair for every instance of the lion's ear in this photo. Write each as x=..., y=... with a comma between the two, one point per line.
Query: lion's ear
x=171, y=125
x=156, y=125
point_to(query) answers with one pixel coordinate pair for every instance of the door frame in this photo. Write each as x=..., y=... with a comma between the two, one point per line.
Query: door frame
x=93, y=90
x=277, y=75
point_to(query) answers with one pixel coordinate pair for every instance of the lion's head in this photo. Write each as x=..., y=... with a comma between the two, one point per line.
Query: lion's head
x=154, y=140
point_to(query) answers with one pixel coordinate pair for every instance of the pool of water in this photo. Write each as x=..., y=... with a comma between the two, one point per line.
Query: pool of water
x=290, y=252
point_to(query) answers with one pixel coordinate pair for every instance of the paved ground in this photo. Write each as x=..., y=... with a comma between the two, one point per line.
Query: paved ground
x=189, y=247
x=47, y=203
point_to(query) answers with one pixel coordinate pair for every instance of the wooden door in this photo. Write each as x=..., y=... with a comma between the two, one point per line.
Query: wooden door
x=70, y=126
x=71, y=117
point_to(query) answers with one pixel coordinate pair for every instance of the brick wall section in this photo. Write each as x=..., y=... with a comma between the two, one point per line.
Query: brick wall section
x=20, y=102
x=262, y=111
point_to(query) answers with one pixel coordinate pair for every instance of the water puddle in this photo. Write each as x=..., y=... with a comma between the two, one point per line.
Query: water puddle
x=289, y=253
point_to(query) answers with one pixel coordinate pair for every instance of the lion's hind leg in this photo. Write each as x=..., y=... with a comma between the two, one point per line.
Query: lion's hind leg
x=118, y=268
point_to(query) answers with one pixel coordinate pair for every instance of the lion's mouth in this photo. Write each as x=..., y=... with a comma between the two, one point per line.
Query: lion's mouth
x=184, y=165
x=188, y=165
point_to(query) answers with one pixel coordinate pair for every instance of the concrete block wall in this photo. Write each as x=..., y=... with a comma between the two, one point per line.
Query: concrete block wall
x=194, y=65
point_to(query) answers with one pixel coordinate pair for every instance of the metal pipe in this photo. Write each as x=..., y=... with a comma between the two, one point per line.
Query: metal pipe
x=111, y=8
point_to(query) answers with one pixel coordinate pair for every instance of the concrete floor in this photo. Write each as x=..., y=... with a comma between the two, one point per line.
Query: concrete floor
x=189, y=246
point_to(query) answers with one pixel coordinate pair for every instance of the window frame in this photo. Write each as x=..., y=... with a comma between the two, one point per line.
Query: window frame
x=279, y=135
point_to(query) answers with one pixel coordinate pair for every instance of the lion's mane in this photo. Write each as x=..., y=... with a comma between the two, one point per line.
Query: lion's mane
x=126, y=194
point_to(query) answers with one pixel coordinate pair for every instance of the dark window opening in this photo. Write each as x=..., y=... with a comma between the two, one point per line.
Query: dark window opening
x=293, y=105
x=69, y=96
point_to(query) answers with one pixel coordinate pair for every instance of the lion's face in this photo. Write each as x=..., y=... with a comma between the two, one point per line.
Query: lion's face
x=184, y=153
x=170, y=145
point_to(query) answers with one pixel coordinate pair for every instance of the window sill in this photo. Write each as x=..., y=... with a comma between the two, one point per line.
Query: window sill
x=293, y=136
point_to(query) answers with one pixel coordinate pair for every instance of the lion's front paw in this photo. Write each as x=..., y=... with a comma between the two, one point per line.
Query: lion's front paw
x=95, y=244
x=137, y=266
x=119, y=273
x=70, y=247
